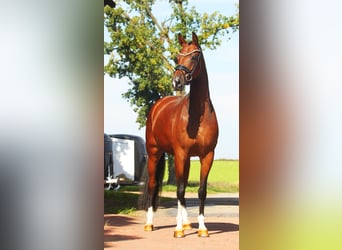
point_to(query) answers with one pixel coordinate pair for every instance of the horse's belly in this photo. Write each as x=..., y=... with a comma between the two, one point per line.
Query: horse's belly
x=202, y=147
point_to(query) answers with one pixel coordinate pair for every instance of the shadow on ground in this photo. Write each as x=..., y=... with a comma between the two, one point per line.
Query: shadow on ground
x=210, y=201
x=213, y=227
x=112, y=223
x=118, y=221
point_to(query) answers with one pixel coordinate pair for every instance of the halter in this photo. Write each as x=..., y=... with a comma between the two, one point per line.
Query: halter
x=188, y=75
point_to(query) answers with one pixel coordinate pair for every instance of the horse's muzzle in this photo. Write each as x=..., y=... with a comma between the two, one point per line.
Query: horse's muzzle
x=177, y=84
x=179, y=80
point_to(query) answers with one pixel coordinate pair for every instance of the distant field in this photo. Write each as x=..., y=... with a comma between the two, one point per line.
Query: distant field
x=223, y=176
x=221, y=171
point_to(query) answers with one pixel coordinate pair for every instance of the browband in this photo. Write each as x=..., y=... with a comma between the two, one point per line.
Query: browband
x=189, y=53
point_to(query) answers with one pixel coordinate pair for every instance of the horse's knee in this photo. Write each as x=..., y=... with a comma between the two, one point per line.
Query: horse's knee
x=180, y=189
x=202, y=193
x=181, y=193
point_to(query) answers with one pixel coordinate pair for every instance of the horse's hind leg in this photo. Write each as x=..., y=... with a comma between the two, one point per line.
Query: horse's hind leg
x=206, y=163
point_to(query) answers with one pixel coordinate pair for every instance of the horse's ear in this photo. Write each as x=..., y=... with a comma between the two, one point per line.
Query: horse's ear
x=194, y=38
x=181, y=39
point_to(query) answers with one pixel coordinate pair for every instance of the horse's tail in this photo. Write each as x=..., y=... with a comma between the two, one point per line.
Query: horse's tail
x=145, y=201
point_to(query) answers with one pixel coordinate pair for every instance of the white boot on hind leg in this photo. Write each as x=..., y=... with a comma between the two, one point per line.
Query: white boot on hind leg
x=149, y=222
x=202, y=229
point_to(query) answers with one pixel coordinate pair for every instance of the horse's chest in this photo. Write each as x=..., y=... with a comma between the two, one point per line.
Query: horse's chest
x=199, y=135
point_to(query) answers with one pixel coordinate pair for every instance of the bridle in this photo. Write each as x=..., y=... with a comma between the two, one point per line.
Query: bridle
x=188, y=72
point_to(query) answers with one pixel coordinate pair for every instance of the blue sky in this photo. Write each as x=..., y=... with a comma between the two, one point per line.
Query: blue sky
x=223, y=71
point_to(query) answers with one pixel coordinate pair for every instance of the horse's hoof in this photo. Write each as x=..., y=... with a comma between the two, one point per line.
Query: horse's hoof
x=148, y=228
x=187, y=226
x=203, y=233
x=178, y=233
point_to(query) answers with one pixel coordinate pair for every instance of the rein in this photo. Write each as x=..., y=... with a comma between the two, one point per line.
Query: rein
x=188, y=75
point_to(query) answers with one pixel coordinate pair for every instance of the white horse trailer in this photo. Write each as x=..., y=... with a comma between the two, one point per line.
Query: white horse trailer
x=125, y=159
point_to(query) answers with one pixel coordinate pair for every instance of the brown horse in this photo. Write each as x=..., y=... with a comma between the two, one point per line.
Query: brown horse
x=184, y=126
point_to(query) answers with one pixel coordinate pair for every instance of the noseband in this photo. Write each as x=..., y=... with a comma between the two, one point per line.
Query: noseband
x=188, y=75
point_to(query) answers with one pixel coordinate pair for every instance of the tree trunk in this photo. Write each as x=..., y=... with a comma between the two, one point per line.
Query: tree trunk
x=171, y=167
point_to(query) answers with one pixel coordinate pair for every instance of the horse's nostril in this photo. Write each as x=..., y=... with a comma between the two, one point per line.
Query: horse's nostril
x=176, y=81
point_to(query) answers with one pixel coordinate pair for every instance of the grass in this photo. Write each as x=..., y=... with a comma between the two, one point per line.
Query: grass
x=120, y=202
x=124, y=201
x=221, y=171
x=223, y=177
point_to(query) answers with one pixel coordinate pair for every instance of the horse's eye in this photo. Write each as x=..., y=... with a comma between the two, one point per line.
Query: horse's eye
x=194, y=58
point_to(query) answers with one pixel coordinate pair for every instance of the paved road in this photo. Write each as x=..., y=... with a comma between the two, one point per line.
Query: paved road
x=222, y=221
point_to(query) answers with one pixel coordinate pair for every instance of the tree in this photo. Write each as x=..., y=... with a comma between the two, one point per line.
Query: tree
x=144, y=49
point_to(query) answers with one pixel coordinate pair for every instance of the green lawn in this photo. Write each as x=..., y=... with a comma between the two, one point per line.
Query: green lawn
x=223, y=177
x=221, y=171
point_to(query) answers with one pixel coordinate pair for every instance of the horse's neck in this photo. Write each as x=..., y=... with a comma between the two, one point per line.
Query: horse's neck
x=199, y=91
x=198, y=99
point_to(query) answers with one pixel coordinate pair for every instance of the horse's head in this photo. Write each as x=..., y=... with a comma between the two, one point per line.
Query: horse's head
x=188, y=62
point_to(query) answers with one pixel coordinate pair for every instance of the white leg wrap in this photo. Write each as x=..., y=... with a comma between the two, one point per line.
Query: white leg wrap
x=185, y=216
x=149, y=216
x=201, y=222
x=179, y=216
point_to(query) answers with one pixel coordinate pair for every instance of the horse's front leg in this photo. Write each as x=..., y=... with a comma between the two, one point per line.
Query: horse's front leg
x=182, y=174
x=206, y=163
x=152, y=190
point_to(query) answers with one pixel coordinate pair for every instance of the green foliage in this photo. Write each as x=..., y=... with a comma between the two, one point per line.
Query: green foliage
x=143, y=48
